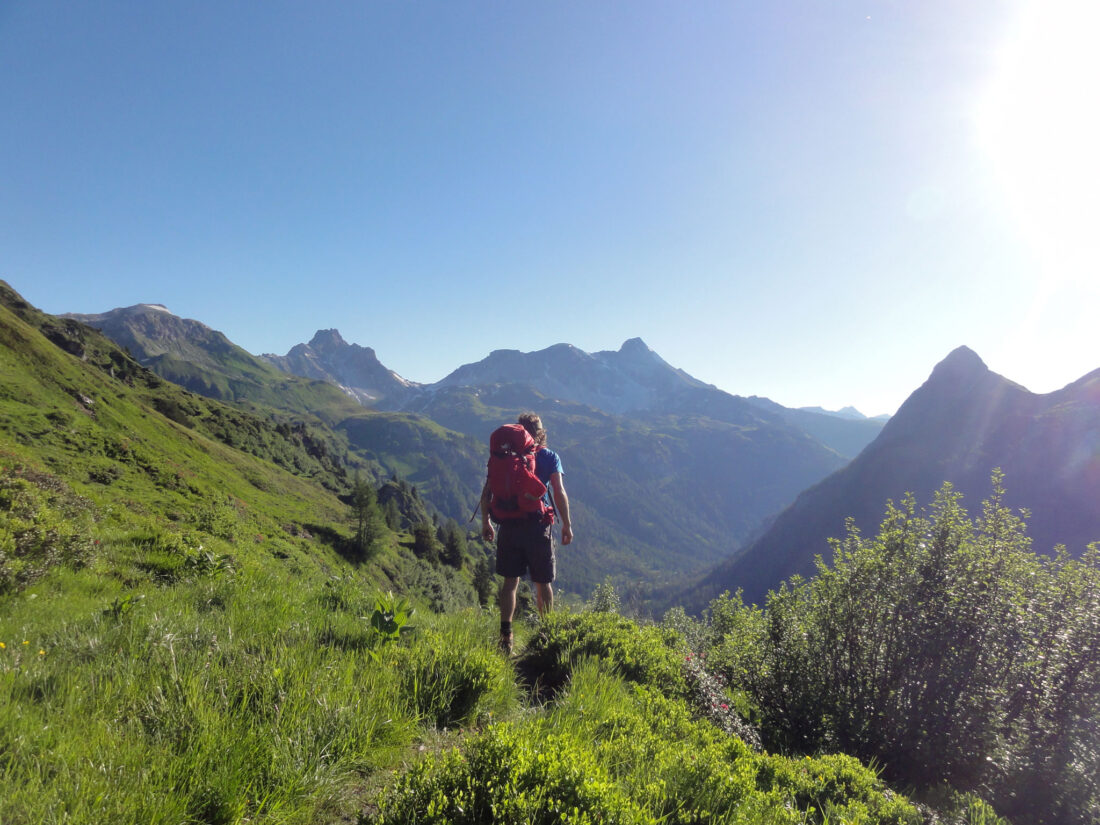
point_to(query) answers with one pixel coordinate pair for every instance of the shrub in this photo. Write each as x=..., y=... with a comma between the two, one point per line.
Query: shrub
x=41, y=525
x=218, y=520
x=943, y=649
x=604, y=598
x=648, y=655
x=507, y=776
x=613, y=752
x=448, y=679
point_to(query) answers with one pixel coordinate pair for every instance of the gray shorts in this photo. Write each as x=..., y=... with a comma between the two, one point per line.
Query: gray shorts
x=524, y=545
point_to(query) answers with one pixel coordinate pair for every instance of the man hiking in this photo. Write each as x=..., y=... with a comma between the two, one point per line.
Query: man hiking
x=525, y=542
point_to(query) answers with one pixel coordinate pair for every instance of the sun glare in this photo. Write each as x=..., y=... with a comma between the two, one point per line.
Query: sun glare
x=1040, y=128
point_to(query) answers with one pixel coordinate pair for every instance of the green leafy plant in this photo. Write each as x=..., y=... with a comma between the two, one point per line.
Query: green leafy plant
x=390, y=617
x=389, y=620
x=608, y=751
x=121, y=605
x=605, y=599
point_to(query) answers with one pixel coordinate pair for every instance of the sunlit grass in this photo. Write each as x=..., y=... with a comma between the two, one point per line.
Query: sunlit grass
x=226, y=698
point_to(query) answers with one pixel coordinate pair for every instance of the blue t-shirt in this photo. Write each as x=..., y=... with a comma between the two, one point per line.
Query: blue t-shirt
x=546, y=464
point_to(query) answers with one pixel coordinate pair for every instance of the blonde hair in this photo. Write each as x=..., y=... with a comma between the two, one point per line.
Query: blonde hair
x=533, y=424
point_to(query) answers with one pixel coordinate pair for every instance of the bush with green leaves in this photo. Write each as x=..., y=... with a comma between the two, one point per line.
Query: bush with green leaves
x=605, y=599
x=646, y=654
x=612, y=752
x=42, y=524
x=943, y=649
x=504, y=776
x=454, y=678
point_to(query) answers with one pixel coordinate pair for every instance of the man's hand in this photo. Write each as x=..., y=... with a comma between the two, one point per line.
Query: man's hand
x=487, y=532
x=566, y=534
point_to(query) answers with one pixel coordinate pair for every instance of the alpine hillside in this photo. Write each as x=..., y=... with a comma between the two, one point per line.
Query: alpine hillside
x=200, y=563
x=205, y=361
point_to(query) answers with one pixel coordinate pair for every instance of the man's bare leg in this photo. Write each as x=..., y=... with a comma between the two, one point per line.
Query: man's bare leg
x=508, y=598
x=544, y=597
x=507, y=610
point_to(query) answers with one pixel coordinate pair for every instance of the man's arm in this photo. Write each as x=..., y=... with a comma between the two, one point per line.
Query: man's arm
x=487, y=531
x=561, y=504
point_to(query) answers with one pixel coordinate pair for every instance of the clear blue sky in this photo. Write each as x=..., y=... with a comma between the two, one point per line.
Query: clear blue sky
x=813, y=201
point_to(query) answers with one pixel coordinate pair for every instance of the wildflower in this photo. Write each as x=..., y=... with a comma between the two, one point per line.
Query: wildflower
x=725, y=706
x=26, y=642
x=41, y=653
x=2, y=645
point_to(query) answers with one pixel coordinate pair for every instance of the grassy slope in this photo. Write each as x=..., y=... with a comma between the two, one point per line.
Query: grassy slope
x=166, y=593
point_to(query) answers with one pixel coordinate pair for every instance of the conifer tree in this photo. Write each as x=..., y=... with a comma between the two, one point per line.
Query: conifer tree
x=425, y=544
x=367, y=516
x=484, y=582
x=392, y=514
x=454, y=544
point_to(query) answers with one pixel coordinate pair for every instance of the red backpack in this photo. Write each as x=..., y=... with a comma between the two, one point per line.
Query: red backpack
x=514, y=489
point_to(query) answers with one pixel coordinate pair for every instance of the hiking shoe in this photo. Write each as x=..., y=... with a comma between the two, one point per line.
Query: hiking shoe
x=506, y=644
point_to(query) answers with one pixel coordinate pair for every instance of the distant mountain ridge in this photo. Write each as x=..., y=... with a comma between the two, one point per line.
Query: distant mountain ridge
x=845, y=412
x=847, y=431
x=964, y=421
x=661, y=492
x=632, y=378
x=152, y=331
x=203, y=360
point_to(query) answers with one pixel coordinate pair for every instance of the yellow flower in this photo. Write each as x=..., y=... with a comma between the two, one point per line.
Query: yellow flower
x=2, y=645
x=41, y=653
x=26, y=642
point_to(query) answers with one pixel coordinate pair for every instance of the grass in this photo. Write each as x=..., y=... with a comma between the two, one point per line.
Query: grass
x=239, y=696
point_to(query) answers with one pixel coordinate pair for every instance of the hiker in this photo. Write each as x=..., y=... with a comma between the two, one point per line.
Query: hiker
x=526, y=539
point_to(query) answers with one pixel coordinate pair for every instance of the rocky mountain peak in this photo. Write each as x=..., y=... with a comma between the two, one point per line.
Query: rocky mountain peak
x=327, y=340
x=961, y=361
x=635, y=346
x=355, y=369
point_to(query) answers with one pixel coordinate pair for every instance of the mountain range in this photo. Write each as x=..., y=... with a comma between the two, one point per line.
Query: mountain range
x=668, y=474
x=632, y=381
x=673, y=480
